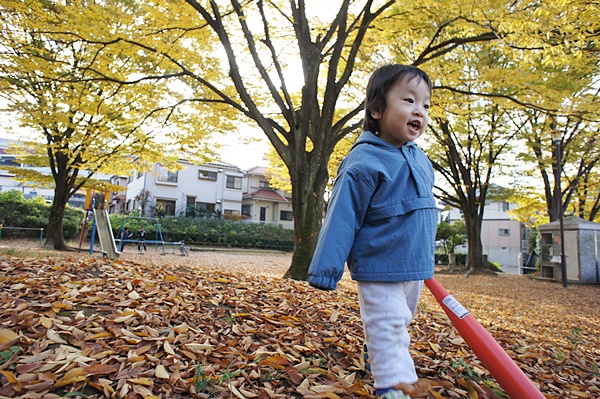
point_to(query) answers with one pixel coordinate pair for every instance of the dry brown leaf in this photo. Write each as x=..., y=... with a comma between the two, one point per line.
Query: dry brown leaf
x=161, y=372
x=100, y=369
x=215, y=316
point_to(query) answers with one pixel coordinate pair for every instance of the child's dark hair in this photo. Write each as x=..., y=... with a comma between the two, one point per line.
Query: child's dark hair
x=380, y=84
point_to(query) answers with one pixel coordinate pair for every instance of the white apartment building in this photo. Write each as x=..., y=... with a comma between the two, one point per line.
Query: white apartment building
x=503, y=238
x=7, y=181
x=212, y=189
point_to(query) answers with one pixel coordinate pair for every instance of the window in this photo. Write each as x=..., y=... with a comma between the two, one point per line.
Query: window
x=165, y=207
x=247, y=210
x=231, y=212
x=504, y=232
x=166, y=176
x=190, y=206
x=206, y=175
x=8, y=161
x=263, y=184
x=234, y=182
x=286, y=215
x=205, y=206
x=505, y=206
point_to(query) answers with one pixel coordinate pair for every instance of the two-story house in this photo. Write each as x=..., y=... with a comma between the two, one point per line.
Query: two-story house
x=263, y=204
x=212, y=188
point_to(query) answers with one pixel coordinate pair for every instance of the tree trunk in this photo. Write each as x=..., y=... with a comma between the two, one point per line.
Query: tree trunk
x=55, y=223
x=475, y=262
x=309, y=203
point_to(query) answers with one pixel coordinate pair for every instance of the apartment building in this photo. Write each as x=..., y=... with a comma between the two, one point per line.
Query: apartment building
x=503, y=238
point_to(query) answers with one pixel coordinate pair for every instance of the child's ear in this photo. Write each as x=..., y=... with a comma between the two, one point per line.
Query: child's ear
x=375, y=114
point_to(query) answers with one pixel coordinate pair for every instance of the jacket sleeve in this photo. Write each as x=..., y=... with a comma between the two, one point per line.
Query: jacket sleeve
x=347, y=208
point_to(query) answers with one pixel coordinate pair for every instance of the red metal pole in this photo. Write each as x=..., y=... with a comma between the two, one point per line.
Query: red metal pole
x=510, y=377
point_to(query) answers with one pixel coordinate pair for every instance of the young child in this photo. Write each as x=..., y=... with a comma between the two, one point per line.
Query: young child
x=142, y=239
x=124, y=236
x=382, y=221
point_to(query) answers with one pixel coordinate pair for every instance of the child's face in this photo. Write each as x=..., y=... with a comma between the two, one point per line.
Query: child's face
x=406, y=114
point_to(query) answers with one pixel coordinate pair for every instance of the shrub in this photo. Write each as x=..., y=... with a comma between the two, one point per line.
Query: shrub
x=17, y=211
x=442, y=259
x=210, y=232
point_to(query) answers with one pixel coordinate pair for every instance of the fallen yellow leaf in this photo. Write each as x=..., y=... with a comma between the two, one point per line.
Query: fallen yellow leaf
x=11, y=379
x=436, y=348
x=72, y=376
x=7, y=335
x=141, y=381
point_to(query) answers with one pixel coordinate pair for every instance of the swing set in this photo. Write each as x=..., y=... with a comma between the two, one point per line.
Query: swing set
x=158, y=239
x=158, y=236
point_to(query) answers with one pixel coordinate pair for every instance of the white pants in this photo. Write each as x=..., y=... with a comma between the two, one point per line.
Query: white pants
x=386, y=310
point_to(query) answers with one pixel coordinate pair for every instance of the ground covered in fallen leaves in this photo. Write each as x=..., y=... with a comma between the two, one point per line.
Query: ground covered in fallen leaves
x=225, y=325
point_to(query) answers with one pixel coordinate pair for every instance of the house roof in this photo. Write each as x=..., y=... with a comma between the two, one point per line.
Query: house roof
x=265, y=194
x=570, y=223
x=257, y=171
x=223, y=164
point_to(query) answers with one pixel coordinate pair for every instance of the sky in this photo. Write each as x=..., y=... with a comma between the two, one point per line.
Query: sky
x=240, y=154
x=246, y=156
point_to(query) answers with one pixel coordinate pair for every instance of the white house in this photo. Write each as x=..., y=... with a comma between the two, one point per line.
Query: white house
x=263, y=204
x=503, y=238
x=214, y=187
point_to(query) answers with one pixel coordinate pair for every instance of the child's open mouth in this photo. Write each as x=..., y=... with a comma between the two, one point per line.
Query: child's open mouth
x=415, y=125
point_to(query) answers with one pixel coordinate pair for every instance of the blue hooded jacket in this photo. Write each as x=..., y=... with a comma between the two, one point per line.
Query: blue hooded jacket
x=381, y=219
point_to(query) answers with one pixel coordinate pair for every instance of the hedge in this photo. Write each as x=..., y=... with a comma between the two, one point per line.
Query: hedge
x=17, y=211
x=210, y=232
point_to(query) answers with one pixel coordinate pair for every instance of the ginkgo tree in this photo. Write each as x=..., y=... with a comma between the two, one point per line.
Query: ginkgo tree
x=482, y=89
x=305, y=115
x=91, y=100
x=580, y=159
x=336, y=50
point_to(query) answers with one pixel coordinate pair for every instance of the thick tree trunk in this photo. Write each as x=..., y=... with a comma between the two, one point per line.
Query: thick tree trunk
x=309, y=203
x=55, y=224
x=475, y=263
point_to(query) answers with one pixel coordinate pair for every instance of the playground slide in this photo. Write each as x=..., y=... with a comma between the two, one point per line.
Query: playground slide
x=105, y=234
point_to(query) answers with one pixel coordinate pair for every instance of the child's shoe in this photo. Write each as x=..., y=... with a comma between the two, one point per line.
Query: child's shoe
x=394, y=394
